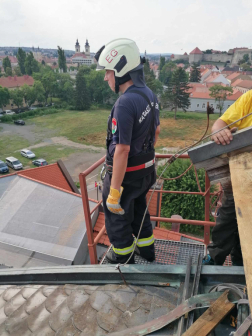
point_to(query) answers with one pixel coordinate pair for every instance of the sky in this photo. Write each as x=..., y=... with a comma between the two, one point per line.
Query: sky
x=157, y=26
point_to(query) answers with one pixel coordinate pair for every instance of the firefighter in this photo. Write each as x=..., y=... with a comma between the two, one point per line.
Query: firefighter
x=133, y=129
x=225, y=237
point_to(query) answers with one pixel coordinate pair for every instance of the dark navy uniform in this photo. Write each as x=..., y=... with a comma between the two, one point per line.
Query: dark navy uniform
x=129, y=123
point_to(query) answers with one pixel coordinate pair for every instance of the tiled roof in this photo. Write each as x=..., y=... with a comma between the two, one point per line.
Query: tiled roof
x=84, y=310
x=50, y=174
x=172, y=56
x=12, y=59
x=196, y=51
x=185, y=54
x=233, y=75
x=247, y=84
x=236, y=82
x=12, y=82
x=181, y=65
x=79, y=55
x=205, y=95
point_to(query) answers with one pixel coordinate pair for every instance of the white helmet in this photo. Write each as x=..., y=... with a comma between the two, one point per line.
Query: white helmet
x=123, y=57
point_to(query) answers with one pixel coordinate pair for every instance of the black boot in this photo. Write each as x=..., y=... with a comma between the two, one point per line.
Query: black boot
x=146, y=252
x=115, y=258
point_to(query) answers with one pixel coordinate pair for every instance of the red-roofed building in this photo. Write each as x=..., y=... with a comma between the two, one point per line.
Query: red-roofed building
x=172, y=56
x=82, y=58
x=185, y=54
x=244, y=86
x=196, y=51
x=16, y=81
x=195, y=55
x=13, y=60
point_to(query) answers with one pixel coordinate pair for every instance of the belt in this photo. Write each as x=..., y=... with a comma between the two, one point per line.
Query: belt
x=109, y=168
x=141, y=166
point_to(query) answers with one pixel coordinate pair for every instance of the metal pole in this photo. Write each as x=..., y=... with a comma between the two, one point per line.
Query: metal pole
x=185, y=294
x=86, y=209
x=207, y=211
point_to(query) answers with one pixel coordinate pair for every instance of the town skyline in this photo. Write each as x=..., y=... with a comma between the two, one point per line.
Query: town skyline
x=165, y=27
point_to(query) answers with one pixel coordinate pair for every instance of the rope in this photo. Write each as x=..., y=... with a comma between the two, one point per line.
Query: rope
x=177, y=177
x=166, y=165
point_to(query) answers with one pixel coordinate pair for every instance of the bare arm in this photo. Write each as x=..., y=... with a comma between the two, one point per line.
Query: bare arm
x=120, y=162
x=223, y=137
x=157, y=134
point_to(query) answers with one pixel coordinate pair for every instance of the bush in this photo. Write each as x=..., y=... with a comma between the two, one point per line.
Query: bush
x=187, y=206
x=28, y=114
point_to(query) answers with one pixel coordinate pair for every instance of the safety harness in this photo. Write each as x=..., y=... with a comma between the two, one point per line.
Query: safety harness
x=139, y=165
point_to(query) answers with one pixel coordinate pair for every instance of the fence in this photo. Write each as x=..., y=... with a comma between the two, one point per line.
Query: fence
x=87, y=214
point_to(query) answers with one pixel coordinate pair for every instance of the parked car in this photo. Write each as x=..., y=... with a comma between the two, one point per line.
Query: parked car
x=27, y=153
x=3, y=167
x=32, y=108
x=8, y=112
x=13, y=163
x=19, y=122
x=18, y=111
x=39, y=162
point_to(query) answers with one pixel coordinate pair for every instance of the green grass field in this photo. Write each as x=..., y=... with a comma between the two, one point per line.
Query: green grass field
x=89, y=127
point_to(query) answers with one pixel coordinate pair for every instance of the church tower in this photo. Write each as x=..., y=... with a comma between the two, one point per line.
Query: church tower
x=87, y=48
x=77, y=47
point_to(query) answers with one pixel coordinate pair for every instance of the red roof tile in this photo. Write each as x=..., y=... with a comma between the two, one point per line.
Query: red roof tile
x=172, y=56
x=80, y=54
x=12, y=82
x=50, y=174
x=196, y=51
x=247, y=84
x=185, y=54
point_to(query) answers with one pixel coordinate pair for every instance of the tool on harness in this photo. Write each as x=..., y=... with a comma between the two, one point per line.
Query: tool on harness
x=139, y=165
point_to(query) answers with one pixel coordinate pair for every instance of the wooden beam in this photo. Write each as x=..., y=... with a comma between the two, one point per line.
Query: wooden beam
x=211, y=317
x=210, y=149
x=241, y=177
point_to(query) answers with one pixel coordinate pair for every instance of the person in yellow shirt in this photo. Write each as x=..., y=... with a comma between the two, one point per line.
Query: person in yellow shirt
x=225, y=237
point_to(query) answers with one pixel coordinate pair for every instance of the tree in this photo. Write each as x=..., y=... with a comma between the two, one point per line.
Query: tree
x=100, y=92
x=48, y=79
x=162, y=63
x=21, y=56
x=195, y=75
x=246, y=58
x=4, y=96
x=8, y=72
x=154, y=84
x=81, y=95
x=176, y=95
x=17, y=71
x=65, y=87
x=6, y=63
x=43, y=62
x=166, y=72
x=245, y=67
x=62, y=59
x=31, y=65
x=220, y=93
x=39, y=92
x=29, y=94
x=17, y=97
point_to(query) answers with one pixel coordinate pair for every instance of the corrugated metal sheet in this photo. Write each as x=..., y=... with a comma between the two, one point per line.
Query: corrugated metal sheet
x=41, y=222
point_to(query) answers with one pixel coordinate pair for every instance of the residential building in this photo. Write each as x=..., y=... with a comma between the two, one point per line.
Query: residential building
x=12, y=83
x=244, y=86
x=13, y=60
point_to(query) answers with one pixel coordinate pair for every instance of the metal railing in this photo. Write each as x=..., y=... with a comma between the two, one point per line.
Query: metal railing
x=87, y=213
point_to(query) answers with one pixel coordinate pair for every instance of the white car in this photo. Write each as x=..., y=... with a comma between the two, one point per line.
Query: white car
x=13, y=163
x=27, y=153
x=9, y=112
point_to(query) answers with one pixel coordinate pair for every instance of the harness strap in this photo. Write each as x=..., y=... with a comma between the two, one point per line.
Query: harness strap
x=151, y=131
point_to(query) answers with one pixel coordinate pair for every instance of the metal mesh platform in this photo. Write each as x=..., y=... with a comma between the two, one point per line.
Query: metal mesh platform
x=169, y=252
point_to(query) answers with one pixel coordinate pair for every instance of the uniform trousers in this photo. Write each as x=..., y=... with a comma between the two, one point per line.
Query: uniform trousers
x=133, y=200
x=225, y=236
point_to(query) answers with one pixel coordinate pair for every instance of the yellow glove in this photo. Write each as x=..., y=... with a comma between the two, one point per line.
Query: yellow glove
x=113, y=201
